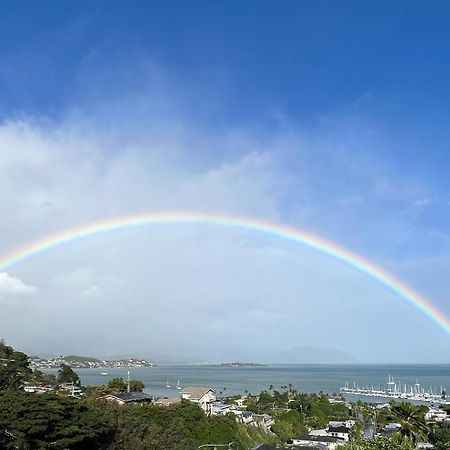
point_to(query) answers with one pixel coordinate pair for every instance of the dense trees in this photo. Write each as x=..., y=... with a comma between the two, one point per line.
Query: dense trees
x=180, y=427
x=119, y=385
x=14, y=367
x=29, y=421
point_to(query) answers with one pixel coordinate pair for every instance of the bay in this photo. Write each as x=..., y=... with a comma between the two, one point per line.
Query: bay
x=303, y=377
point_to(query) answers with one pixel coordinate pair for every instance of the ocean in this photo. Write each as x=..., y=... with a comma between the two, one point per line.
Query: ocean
x=304, y=378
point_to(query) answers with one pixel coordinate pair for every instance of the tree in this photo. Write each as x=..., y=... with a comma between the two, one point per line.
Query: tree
x=14, y=367
x=119, y=385
x=29, y=421
x=379, y=443
x=412, y=420
x=440, y=437
x=67, y=375
x=136, y=386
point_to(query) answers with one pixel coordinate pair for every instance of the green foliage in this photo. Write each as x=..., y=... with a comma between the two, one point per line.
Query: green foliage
x=180, y=427
x=289, y=424
x=440, y=437
x=380, y=443
x=119, y=385
x=67, y=375
x=412, y=420
x=14, y=368
x=29, y=421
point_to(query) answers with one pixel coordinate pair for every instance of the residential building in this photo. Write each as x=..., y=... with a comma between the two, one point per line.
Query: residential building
x=221, y=409
x=436, y=415
x=128, y=397
x=317, y=441
x=203, y=396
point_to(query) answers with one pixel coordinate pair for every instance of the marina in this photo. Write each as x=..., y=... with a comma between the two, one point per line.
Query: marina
x=396, y=390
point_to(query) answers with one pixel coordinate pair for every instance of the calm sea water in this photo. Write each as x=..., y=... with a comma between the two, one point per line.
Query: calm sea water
x=304, y=378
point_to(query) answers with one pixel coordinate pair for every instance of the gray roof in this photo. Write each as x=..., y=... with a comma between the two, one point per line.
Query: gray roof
x=307, y=437
x=339, y=429
x=196, y=392
x=129, y=397
x=265, y=447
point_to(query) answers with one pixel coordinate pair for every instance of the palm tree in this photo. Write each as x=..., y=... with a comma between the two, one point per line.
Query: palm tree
x=412, y=420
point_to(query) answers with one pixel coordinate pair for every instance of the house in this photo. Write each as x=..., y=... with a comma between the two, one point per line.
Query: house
x=335, y=401
x=311, y=447
x=41, y=389
x=247, y=417
x=436, y=415
x=240, y=401
x=203, y=396
x=266, y=447
x=390, y=429
x=221, y=409
x=70, y=387
x=338, y=423
x=128, y=397
x=263, y=420
x=317, y=441
x=424, y=446
x=339, y=431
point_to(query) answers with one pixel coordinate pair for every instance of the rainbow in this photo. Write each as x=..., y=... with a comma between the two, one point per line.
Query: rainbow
x=359, y=263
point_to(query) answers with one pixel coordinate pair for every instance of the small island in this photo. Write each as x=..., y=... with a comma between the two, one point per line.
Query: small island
x=242, y=365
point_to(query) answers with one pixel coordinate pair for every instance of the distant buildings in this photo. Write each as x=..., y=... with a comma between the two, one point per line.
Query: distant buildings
x=81, y=362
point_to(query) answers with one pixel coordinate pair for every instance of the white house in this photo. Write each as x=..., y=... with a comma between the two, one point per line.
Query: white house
x=436, y=415
x=240, y=401
x=263, y=420
x=340, y=430
x=328, y=442
x=203, y=396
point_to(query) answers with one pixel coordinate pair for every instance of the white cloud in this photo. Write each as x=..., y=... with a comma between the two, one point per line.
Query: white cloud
x=61, y=175
x=14, y=287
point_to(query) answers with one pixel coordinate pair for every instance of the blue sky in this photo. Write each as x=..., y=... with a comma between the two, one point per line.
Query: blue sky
x=329, y=116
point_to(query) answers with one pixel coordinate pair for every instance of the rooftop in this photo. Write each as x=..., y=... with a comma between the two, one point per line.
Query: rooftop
x=129, y=397
x=196, y=392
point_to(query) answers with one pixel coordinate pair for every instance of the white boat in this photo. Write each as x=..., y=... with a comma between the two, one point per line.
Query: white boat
x=103, y=373
x=178, y=385
x=167, y=384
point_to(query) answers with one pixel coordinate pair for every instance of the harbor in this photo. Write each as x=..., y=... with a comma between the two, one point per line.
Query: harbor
x=396, y=390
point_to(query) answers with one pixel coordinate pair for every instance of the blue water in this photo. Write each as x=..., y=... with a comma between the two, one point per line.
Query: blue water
x=304, y=378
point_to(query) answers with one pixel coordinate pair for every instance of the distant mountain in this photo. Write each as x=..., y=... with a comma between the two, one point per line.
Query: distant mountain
x=310, y=355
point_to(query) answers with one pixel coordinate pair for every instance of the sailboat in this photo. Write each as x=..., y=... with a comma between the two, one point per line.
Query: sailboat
x=178, y=385
x=167, y=384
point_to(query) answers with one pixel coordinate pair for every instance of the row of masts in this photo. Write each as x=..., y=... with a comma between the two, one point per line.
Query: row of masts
x=397, y=390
